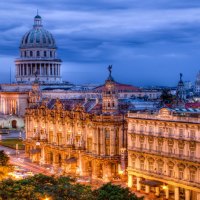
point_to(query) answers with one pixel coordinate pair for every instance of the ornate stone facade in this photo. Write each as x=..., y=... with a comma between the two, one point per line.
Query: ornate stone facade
x=81, y=136
x=163, y=153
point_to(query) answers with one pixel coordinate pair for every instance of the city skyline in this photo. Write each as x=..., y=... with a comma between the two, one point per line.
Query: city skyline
x=147, y=43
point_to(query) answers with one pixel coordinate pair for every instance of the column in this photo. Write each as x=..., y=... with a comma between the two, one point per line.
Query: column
x=48, y=69
x=138, y=183
x=19, y=70
x=167, y=193
x=157, y=191
x=94, y=140
x=54, y=69
x=24, y=69
x=40, y=69
x=147, y=189
x=102, y=141
x=130, y=180
x=112, y=141
x=187, y=194
x=176, y=193
x=31, y=69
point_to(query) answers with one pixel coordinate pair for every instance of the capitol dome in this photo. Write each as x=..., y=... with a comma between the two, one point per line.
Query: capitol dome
x=38, y=57
x=38, y=36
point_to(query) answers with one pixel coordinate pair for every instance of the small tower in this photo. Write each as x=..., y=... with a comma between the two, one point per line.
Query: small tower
x=180, y=91
x=110, y=94
x=35, y=95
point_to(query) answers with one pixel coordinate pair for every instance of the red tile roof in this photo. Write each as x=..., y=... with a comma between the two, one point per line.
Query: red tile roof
x=192, y=105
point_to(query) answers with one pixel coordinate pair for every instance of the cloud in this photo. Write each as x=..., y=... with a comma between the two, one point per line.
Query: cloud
x=101, y=32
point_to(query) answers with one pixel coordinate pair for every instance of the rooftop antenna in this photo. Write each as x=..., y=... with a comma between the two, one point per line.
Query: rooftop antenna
x=10, y=75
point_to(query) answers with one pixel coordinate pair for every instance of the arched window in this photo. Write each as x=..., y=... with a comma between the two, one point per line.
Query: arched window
x=45, y=53
x=50, y=54
x=24, y=53
x=108, y=104
x=31, y=53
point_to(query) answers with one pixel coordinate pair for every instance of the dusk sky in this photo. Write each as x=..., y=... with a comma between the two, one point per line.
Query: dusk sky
x=148, y=42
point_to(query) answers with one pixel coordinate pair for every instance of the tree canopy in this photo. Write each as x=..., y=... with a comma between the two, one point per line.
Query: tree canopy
x=114, y=192
x=59, y=188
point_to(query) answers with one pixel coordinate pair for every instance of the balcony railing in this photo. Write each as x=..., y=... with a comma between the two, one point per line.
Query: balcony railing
x=164, y=135
x=167, y=154
x=158, y=117
x=110, y=157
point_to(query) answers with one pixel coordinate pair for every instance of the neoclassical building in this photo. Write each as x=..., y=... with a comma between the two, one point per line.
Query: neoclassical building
x=86, y=137
x=38, y=57
x=164, y=153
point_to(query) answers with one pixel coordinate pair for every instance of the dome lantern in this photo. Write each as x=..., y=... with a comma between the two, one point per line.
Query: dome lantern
x=37, y=21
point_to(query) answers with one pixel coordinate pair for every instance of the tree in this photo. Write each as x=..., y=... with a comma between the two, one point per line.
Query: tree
x=114, y=192
x=166, y=97
x=3, y=158
x=5, y=168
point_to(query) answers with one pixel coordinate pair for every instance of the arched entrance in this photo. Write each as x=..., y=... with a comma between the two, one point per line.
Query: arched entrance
x=14, y=123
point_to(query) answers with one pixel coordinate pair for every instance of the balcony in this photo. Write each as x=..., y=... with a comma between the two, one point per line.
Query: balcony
x=166, y=154
x=106, y=157
x=164, y=177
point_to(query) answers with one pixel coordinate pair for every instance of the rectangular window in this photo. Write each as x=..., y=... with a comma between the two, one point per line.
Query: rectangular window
x=181, y=133
x=180, y=151
x=192, y=134
x=151, y=166
x=171, y=172
x=180, y=174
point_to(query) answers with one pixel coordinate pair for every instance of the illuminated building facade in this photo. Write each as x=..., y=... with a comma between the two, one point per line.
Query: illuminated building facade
x=163, y=153
x=87, y=137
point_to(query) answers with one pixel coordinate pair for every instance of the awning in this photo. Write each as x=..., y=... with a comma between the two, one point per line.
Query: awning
x=71, y=160
x=35, y=151
x=151, y=183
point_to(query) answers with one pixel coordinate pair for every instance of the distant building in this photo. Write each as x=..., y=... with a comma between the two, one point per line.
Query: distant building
x=197, y=84
x=38, y=58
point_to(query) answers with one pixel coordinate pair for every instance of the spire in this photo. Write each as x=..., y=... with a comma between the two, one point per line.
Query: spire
x=37, y=20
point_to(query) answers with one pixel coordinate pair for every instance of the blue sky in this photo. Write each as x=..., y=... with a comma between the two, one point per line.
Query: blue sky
x=148, y=42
